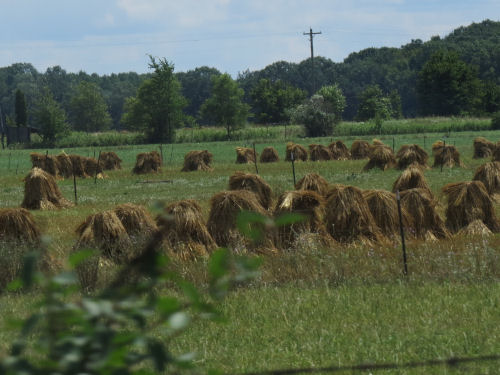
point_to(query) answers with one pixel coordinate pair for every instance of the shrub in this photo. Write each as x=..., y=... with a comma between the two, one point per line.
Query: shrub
x=495, y=121
x=315, y=117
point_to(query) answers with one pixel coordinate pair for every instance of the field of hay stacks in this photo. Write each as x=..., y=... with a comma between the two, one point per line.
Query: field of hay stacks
x=310, y=270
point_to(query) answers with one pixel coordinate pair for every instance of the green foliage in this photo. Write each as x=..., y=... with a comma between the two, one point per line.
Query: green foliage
x=225, y=107
x=50, y=118
x=314, y=115
x=495, y=121
x=89, y=111
x=334, y=101
x=373, y=104
x=21, y=112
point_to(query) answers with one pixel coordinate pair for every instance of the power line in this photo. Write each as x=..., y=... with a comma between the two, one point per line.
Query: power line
x=311, y=38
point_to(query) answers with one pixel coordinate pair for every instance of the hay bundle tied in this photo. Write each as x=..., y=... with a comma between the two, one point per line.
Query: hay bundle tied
x=65, y=165
x=269, y=155
x=147, y=162
x=381, y=157
x=489, y=175
x=136, y=220
x=313, y=182
x=92, y=167
x=299, y=152
x=412, y=154
x=253, y=183
x=348, y=217
x=496, y=152
x=18, y=225
x=222, y=222
x=197, y=161
x=483, y=148
x=476, y=228
x=48, y=163
x=184, y=231
x=467, y=202
x=360, y=149
x=339, y=150
x=411, y=178
x=319, y=153
x=447, y=156
x=41, y=192
x=245, y=155
x=110, y=161
x=436, y=147
x=78, y=163
x=427, y=225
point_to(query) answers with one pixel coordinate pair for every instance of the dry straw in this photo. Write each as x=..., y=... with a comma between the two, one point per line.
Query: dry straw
x=147, y=162
x=476, y=228
x=483, y=148
x=65, y=165
x=319, y=153
x=339, y=151
x=269, y=155
x=136, y=220
x=245, y=155
x=489, y=175
x=447, y=156
x=360, y=149
x=41, y=192
x=48, y=163
x=198, y=161
x=436, y=147
x=313, y=182
x=467, y=202
x=496, y=152
x=381, y=157
x=252, y=182
x=299, y=152
x=78, y=163
x=92, y=167
x=411, y=178
x=18, y=225
x=412, y=155
x=110, y=161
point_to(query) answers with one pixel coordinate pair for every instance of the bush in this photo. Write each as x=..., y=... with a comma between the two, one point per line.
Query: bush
x=317, y=121
x=495, y=121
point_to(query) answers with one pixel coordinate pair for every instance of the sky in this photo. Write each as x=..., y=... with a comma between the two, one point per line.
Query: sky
x=113, y=36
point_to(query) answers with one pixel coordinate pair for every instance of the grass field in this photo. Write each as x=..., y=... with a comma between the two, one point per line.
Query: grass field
x=316, y=307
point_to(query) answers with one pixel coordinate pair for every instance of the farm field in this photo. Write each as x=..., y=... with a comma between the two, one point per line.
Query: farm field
x=316, y=307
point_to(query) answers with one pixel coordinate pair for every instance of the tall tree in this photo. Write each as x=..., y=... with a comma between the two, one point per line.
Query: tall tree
x=373, y=104
x=334, y=101
x=225, y=107
x=89, y=111
x=50, y=118
x=21, y=112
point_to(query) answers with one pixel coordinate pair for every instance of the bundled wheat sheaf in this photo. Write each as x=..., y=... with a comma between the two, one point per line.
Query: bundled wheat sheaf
x=184, y=231
x=319, y=153
x=467, y=202
x=18, y=225
x=136, y=220
x=269, y=155
x=245, y=155
x=381, y=157
x=110, y=161
x=447, y=156
x=78, y=165
x=48, y=163
x=360, y=150
x=411, y=155
x=92, y=167
x=437, y=147
x=411, y=178
x=489, y=175
x=496, y=152
x=475, y=228
x=65, y=165
x=483, y=148
x=197, y=161
x=252, y=182
x=299, y=152
x=41, y=192
x=339, y=150
x=313, y=182
x=147, y=162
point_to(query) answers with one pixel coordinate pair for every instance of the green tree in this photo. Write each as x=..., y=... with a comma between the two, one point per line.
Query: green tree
x=21, y=112
x=373, y=103
x=334, y=100
x=225, y=107
x=50, y=118
x=157, y=108
x=89, y=111
x=396, y=106
x=314, y=115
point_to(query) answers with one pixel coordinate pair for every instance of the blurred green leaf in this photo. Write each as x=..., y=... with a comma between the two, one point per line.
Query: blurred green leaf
x=288, y=219
x=78, y=257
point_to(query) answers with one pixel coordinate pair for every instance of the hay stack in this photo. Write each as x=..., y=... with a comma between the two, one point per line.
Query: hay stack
x=496, y=152
x=469, y=201
x=348, y=217
x=147, y=162
x=483, y=148
x=311, y=206
x=412, y=154
x=447, y=156
x=110, y=161
x=313, y=182
x=360, y=149
x=41, y=192
x=224, y=210
x=411, y=178
x=437, y=147
x=18, y=225
x=476, y=228
x=65, y=165
x=184, y=231
x=135, y=219
x=269, y=155
x=427, y=225
x=381, y=157
x=339, y=151
x=245, y=155
x=92, y=167
x=489, y=175
x=299, y=152
x=78, y=163
x=197, y=161
x=48, y=163
x=319, y=153
x=254, y=183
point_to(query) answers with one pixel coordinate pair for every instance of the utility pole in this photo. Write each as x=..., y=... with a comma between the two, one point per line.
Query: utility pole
x=311, y=37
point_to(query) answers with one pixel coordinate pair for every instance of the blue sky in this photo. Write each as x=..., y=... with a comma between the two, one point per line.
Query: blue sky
x=112, y=36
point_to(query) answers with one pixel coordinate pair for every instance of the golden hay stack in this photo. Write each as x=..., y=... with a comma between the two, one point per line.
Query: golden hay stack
x=41, y=192
x=427, y=225
x=411, y=178
x=447, y=156
x=92, y=167
x=313, y=182
x=489, y=175
x=135, y=219
x=348, y=217
x=436, y=147
x=381, y=157
x=483, y=148
x=311, y=206
x=384, y=209
x=184, y=231
x=245, y=155
x=360, y=149
x=269, y=155
x=110, y=161
x=65, y=165
x=147, y=162
x=469, y=201
x=18, y=225
x=412, y=154
x=319, y=153
x=299, y=152
x=78, y=163
x=224, y=210
x=476, y=228
x=252, y=182
x=48, y=163
x=339, y=151
x=496, y=152
x=197, y=160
